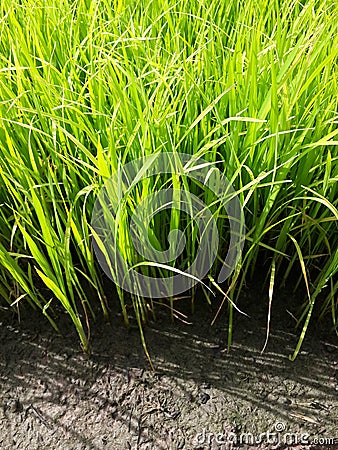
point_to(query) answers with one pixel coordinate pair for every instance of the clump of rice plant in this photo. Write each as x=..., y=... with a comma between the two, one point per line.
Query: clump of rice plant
x=89, y=85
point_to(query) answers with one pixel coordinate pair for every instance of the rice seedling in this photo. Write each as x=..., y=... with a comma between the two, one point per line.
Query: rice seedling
x=87, y=86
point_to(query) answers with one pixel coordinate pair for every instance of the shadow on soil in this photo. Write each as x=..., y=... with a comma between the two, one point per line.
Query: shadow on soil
x=54, y=396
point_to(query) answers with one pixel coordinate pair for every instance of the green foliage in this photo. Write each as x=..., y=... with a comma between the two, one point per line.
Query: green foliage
x=88, y=84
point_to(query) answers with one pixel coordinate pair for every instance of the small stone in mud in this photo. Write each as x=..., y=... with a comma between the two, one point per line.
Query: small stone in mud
x=204, y=397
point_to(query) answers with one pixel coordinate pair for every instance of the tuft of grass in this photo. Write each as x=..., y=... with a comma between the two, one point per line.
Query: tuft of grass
x=87, y=86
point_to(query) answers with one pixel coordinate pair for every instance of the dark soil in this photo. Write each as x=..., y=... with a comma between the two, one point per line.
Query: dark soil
x=53, y=396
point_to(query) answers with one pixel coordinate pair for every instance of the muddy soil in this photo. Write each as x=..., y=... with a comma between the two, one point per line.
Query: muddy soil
x=200, y=396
